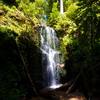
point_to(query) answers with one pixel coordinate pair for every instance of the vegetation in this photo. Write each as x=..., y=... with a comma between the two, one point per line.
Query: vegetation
x=20, y=57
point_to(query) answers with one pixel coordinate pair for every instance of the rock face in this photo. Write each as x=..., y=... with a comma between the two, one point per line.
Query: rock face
x=29, y=47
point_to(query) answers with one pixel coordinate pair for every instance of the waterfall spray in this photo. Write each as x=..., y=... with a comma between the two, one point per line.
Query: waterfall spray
x=50, y=57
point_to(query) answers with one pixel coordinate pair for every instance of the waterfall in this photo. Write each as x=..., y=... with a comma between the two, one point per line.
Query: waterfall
x=61, y=7
x=50, y=57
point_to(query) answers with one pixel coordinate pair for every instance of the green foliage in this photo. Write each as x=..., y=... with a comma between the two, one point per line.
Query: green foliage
x=36, y=8
x=17, y=25
x=67, y=40
x=72, y=10
x=17, y=21
x=78, y=31
x=65, y=24
x=54, y=14
x=67, y=3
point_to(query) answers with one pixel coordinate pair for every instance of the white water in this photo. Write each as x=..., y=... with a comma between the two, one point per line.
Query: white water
x=50, y=57
x=61, y=7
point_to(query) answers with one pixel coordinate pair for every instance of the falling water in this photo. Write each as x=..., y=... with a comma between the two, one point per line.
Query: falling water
x=61, y=7
x=50, y=57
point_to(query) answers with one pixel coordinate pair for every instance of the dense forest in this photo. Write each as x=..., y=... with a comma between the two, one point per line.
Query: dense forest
x=78, y=30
